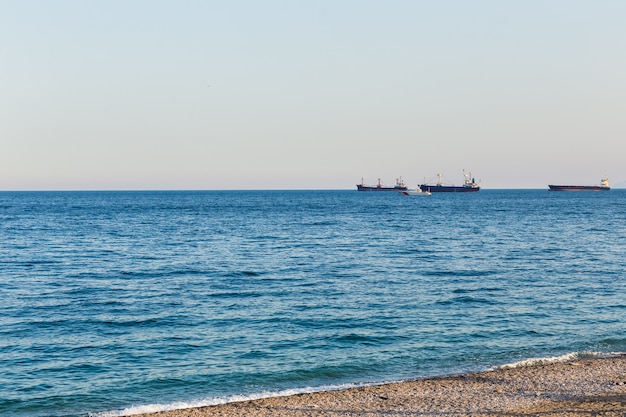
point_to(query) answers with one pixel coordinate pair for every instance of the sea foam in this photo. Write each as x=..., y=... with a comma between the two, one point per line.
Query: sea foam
x=154, y=408
x=568, y=357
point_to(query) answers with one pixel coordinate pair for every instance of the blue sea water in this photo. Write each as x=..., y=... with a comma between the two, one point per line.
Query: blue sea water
x=113, y=303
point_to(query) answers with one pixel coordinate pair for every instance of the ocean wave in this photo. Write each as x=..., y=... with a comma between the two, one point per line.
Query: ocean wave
x=568, y=357
x=181, y=405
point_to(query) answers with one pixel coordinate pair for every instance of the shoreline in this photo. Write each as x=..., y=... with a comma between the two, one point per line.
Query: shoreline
x=583, y=387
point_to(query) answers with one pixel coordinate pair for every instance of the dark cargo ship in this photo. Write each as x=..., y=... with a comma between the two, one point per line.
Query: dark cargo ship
x=400, y=186
x=469, y=185
x=604, y=186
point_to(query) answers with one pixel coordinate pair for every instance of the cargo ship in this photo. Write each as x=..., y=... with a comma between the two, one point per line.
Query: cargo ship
x=604, y=186
x=400, y=186
x=469, y=185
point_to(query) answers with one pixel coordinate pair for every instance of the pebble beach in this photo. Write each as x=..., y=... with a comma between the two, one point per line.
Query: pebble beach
x=588, y=387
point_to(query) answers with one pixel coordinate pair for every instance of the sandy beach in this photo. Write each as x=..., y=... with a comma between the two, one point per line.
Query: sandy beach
x=589, y=387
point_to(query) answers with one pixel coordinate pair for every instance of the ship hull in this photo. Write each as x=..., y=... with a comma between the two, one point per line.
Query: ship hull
x=360, y=187
x=448, y=188
x=578, y=188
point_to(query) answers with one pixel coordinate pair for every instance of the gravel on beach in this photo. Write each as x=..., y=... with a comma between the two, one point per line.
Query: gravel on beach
x=588, y=387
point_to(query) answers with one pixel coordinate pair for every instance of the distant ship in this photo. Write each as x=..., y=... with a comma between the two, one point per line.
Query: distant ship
x=400, y=186
x=469, y=185
x=604, y=186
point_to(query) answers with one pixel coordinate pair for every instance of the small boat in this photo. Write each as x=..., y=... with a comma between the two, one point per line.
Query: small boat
x=417, y=192
x=470, y=185
x=400, y=186
x=604, y=186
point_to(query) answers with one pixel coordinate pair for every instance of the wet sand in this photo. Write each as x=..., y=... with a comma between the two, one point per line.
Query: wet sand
x=591, y=387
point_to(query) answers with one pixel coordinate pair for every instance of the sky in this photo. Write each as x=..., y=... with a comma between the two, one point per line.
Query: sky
x=284, y=94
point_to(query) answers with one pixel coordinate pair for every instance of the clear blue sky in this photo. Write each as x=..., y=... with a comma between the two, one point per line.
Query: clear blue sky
x=144, y=94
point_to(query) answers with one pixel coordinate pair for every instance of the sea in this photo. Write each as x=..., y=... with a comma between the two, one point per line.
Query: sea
x=114, y=303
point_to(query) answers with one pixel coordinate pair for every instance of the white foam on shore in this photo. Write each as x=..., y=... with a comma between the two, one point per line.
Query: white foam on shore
x=568, y=357
x=154, y=408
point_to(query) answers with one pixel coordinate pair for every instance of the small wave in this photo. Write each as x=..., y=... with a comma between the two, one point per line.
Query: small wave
x=155, y=408
x=613, y=342
x=465, y=300
x=323, y=223
x=568, y=357
x=476, y=290
x=165, y=273
x=242, y=273
x=459, y=273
